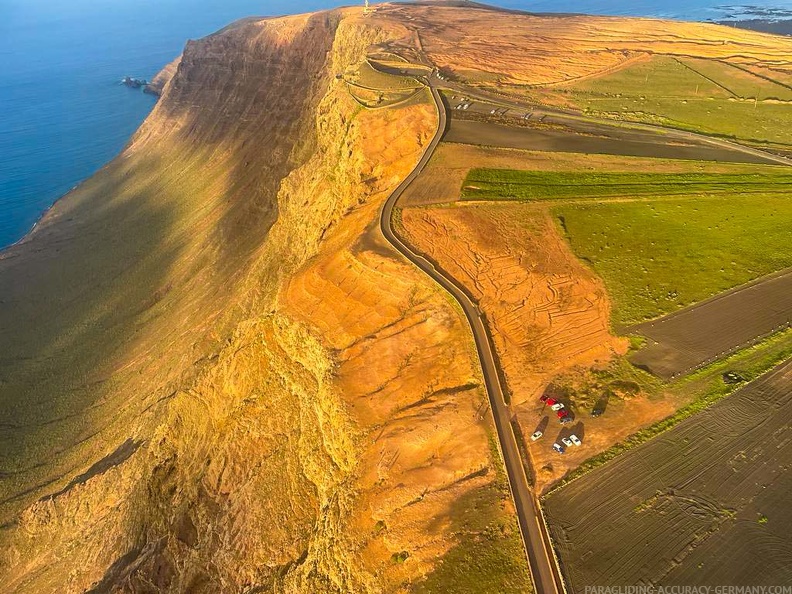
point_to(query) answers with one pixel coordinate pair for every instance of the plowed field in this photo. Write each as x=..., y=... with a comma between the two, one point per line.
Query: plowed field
x=706, y=503
x=694, y=336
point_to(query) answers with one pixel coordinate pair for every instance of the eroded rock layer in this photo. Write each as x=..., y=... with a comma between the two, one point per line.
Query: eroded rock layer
x=216, y=375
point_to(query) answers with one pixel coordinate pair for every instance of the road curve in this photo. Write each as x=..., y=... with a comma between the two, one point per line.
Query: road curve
x=563, y=114
x=542, y=562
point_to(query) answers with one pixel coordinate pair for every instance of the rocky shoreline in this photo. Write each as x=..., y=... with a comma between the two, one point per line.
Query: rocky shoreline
x=763, y=25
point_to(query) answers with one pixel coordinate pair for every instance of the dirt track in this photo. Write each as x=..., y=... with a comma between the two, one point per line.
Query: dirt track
x=704, y=504
x=699, y=334
x=547, y=311
x=605, y=140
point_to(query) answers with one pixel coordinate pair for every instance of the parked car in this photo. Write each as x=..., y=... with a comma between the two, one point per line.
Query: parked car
x=574, y=439
x=567, y=441
x=558, y=406
x=561, y=414
x=544, y=397
x=558, y=448
x=732, y=377
x=536, y=435
x=550, y=401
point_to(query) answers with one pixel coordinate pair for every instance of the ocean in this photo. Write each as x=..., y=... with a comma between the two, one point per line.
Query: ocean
x=64, y=112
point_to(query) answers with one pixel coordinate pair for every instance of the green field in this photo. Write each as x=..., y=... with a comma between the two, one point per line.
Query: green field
x=739, y=82
x=658, y=256
x=508, y=184
x=662, y=76
x=371, y=78
x=660, y=241
x=690, y=94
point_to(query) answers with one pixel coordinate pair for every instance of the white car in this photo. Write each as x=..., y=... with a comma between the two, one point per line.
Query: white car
x=557, y=406
x=574, y=439
x=567, y=441
x=536, y=435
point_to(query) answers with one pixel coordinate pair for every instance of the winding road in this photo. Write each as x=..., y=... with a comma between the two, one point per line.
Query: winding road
x=544, y=567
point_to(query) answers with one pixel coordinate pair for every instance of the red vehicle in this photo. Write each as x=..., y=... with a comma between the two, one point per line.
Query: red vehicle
x=543, y=397
x=550, y=401
x=563, y=416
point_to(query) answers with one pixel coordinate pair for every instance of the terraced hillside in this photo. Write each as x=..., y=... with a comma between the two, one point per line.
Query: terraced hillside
x=216, y=377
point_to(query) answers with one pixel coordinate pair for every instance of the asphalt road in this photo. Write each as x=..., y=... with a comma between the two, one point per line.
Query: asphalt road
x=544, y=568
x=561, y=116
x=543, y=564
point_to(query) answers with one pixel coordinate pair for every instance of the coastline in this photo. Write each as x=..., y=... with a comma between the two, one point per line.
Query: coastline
x=157, y=83
x=771, y=26
x=30, y=233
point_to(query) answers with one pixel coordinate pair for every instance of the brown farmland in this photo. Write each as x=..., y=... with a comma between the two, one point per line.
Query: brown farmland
x=546, y=310
x=704, y=504
x=590, y=139
x=699, y=334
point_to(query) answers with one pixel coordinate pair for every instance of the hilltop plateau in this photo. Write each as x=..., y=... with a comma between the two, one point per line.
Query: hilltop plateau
x=219, y=373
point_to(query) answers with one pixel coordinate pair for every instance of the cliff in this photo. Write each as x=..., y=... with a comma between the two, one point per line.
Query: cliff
x=216, y=376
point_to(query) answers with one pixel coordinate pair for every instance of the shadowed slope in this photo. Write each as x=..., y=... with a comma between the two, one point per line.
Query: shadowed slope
x=124, y=318
x=201, y=396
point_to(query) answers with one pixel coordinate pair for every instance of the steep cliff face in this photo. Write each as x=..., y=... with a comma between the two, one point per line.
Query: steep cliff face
x=172, y=427
x=218, y=377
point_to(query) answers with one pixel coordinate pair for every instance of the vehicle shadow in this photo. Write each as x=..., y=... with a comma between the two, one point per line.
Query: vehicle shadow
x=543, y=423
x=579, y=430
x=601, y=405
x=560, y=437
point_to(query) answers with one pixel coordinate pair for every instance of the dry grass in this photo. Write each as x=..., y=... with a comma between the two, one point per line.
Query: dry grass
x=534, y=50
x=219, y=296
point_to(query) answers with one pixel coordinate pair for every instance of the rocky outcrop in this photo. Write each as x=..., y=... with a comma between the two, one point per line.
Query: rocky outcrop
x=157, y=84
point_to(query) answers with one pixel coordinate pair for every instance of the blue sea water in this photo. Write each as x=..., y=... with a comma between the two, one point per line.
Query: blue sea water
x=64, y=113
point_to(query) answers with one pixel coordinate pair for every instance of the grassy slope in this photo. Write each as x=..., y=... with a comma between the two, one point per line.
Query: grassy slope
x=697, y=95
x=369, y=77
x=685, y=238
x=740, y=82
x=656, y=257
x=488, y=557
